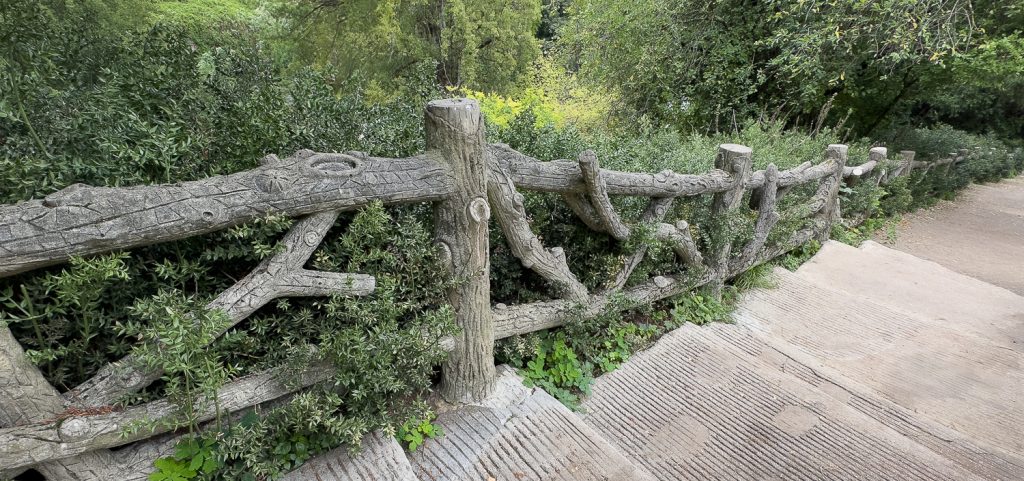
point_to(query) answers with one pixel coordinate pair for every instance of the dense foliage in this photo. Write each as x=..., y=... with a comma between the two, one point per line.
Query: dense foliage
x=126, y=92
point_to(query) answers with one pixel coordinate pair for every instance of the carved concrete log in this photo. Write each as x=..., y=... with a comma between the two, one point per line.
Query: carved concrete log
x=679, y=239
x=564, y=176
x=584, y=210
x=736, y=160
x=655, y=212
x=526, y=246
x=27, y=445
x=828, y=191
x=906, y=166
x=280, y=275
x=455, y=137
x=766, y=219
x=801, y=174
x=82, y=220
x=853, y=174
x=26, y=397
x=526, y=318
x=597, y=191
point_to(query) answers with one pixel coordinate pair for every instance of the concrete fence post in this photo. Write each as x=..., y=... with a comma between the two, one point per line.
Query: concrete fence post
x=455, y=137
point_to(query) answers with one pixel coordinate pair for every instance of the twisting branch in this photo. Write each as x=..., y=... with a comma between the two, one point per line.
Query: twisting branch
x=23, y=446
x=655, y=212
x=26, y=397
x=678, y=237
x=597, y=190
x=766, y=219
x=580, y=206
x=511, y=216
x=280, y=275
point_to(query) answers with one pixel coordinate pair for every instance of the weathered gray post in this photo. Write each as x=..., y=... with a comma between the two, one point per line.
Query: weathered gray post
x=737, y=161
x=828, y=191
x=907, y=164
x=455, y=137
x=878, y=156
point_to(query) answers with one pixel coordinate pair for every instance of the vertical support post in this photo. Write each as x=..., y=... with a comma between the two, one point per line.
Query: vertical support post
x=455, y=137
x=907, y=164
x=737, y=161
x=829, y=191
x=878, y=155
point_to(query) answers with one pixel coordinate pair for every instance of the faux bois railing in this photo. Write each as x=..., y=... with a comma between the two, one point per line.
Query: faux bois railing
x=67, y=436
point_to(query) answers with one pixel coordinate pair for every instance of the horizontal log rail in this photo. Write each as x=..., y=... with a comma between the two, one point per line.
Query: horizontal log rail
x=467, y=180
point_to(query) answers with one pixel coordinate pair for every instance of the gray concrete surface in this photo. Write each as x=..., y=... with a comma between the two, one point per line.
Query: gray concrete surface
x=699, y=406
x=980, y=234
x=520, y=434
x=380, y=459
x=962, y=376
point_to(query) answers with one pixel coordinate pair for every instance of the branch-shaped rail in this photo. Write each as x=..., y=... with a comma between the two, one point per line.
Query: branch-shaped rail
x=678, y=237
x=565, y=177
x=26, y=397
x=656, y=210
x=597, y=190
x=511, y=216
x=525, y=318
x=280, y=275
x=767, y=217
x=83, y=220
x=23, y=446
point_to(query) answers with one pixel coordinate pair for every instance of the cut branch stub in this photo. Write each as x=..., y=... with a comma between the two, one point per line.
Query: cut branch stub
x=280, y=275
x=455, y=137
x=597, y=190
x=678, y=237
x=526, y=246
x=737, y=161
x=83, y=220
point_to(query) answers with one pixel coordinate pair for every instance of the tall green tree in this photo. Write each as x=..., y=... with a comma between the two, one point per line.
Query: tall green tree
x=705, y=62
x=480, y=44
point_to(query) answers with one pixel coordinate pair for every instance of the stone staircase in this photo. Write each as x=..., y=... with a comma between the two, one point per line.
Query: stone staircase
x=867, y=363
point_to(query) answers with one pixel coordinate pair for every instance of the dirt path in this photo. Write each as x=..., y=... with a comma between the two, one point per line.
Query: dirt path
x=981, y=234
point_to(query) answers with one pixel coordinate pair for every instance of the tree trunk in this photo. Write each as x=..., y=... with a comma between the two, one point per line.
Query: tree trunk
x=455, y=137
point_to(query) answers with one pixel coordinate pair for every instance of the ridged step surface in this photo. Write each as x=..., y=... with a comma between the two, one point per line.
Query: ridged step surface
x=520, y=434
x=380, y=459
x=922, y=288
x=936, y=374
x=698, y=406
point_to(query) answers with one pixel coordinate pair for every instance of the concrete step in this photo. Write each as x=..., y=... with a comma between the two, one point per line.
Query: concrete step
x=921, y=288
x=381, y=459
x=697, y=405
x=955, y=392
x=520, y=434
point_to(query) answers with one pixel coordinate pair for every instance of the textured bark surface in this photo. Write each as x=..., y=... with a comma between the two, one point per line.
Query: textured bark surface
x=656, y=210
x=27, y=445
x=455, y=137
x=737, y=161
x=280, y=275
x=828, y=191
x=510, y=213
x=597, y=191
x=26, y=397
x=82, y=220
x=565, y=177
x=766, y=219
x=678, y=237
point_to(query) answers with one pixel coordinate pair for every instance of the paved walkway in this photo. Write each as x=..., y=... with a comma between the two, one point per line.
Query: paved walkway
x=981, y=234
